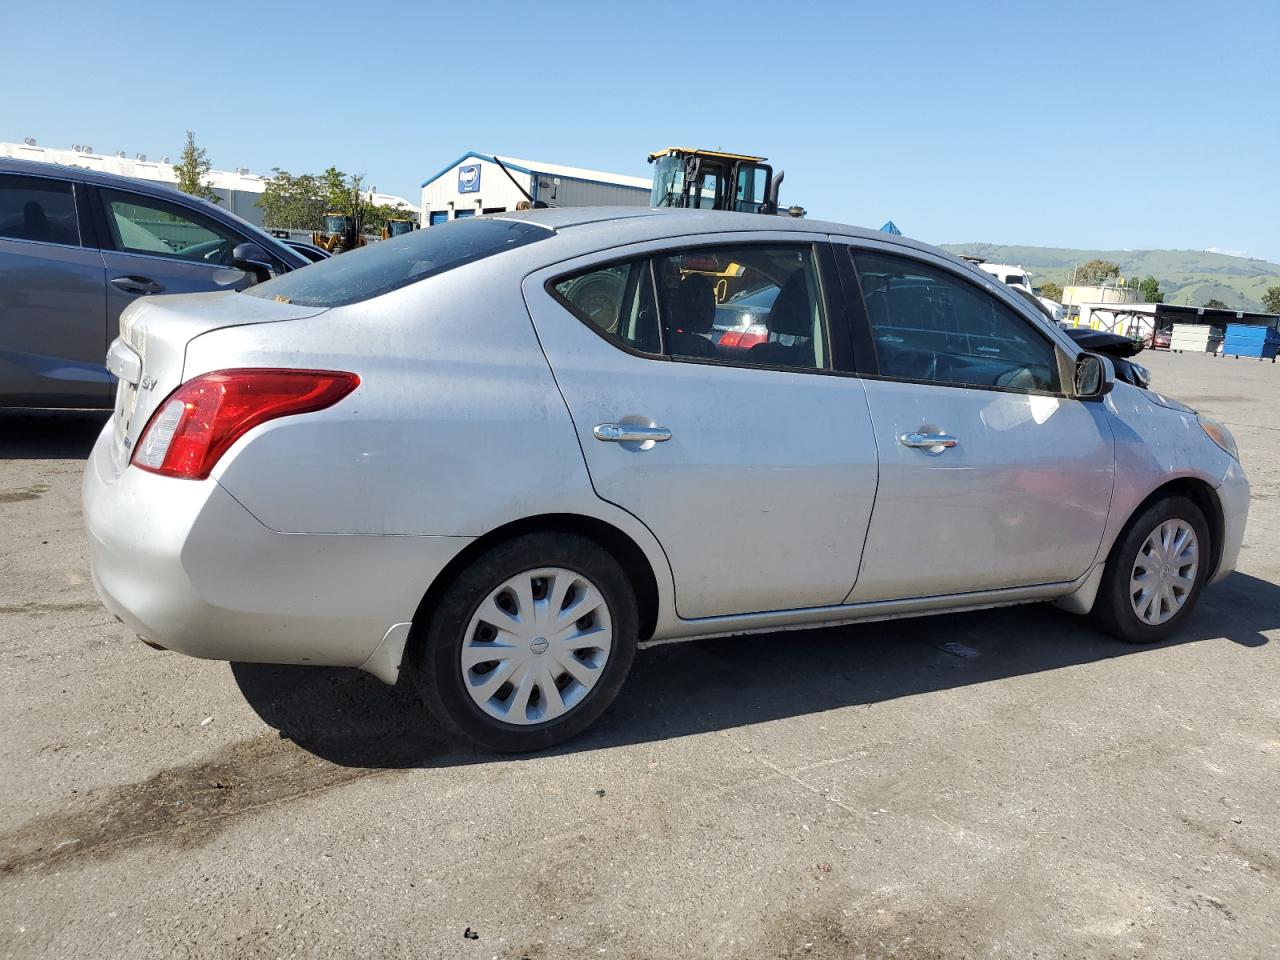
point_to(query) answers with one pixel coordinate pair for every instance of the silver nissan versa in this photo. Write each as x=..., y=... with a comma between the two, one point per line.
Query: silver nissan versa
x=496, y=455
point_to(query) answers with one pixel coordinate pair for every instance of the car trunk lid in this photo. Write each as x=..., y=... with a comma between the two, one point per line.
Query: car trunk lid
x=149, y=355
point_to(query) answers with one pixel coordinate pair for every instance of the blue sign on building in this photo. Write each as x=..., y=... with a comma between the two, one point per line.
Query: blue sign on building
x=469, y=178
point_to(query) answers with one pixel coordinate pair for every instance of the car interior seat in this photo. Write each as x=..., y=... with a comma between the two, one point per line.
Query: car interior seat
x=791, y=315
x=691, y=313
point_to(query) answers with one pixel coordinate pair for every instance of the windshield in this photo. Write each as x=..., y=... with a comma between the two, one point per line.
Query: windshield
x=335, y=224
x=368, y=272
x=668, y=181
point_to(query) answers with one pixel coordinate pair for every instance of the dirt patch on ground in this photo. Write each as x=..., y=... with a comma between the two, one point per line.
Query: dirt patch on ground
x=33, y=492
x=829, y=931
x=179, y=807
x=69, y=607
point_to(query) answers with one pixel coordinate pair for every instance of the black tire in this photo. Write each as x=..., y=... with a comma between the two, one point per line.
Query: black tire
x=1113, y=609
x=435, y=664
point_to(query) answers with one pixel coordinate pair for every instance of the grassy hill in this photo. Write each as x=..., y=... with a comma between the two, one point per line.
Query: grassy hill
x=1190, y=277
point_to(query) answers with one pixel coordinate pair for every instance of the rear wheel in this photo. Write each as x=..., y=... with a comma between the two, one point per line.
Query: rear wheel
x=530, y=644
x=1155, y=572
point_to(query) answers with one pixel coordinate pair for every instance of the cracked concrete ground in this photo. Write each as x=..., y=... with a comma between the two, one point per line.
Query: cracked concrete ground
x=1000, y=784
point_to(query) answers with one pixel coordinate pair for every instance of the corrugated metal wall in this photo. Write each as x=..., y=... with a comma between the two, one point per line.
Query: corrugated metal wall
x=587, y=193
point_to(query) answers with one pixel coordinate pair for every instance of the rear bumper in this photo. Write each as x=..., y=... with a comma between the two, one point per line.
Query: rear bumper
x=1233, y=495
x=184, y=565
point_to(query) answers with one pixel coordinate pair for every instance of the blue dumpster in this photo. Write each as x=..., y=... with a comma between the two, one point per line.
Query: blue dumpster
x=1247, y=340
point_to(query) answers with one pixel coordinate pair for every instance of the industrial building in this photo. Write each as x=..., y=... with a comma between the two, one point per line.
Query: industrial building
x=238, y=190
x=479, y=183
x=1142, y=319
x=1081, y=294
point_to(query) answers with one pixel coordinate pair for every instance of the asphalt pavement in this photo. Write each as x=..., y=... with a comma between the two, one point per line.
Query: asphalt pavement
x=997, y=784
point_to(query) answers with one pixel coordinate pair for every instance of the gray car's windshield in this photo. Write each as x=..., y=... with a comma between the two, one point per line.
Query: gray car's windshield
x=374, y=270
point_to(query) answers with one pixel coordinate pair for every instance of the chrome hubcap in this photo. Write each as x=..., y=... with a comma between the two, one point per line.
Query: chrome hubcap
x=536, y=646
x=1164, y=572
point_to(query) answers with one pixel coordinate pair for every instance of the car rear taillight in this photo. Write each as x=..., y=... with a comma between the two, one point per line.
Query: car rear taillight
x=200, y=420
x=744, y=339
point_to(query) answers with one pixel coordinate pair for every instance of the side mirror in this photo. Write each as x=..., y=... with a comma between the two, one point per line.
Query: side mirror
x=1095, y=376
x=252, y=259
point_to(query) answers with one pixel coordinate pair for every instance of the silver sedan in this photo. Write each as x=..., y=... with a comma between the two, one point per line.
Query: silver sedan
x=497, y=455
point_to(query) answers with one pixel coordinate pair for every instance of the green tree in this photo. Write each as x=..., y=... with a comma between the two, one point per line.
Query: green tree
x=1096, y=271
x=1150, y=289
x=291, y=202
x=192, y=168
x=1216, y=304
x=376, y=216
x=1271, y=300
x=1051, y=291
x=341, y=192
x=300, y=202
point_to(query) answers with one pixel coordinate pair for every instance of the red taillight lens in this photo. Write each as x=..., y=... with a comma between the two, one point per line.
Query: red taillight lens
x=751, y=339
x=200, y=420
x=731, y=338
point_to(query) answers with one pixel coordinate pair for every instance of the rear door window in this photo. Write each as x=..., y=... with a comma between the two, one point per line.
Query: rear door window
x=38, y=209
x=755, y=304
x=617, y=301
x=388, y=265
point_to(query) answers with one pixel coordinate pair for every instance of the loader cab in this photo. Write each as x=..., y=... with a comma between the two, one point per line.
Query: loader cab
x=340, y=232
x=398, y=228
x=335, y=223
x=710, y=180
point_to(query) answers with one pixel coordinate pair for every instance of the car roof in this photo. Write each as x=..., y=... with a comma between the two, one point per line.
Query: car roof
x=149, y=188
x=636, y=224
x=39, y=168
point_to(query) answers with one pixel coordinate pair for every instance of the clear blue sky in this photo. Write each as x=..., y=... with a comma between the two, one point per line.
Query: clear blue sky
x=1114, y=125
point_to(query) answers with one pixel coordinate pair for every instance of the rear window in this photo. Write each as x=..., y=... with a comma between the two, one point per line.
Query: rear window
x=391, y=264
x=33, y=208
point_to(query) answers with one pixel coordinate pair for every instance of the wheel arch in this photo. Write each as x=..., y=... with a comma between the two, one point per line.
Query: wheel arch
x=1204, y=496
x=623, y=548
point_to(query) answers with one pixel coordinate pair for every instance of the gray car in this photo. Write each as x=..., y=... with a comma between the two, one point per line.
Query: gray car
x=77, y=247
x=498, y=455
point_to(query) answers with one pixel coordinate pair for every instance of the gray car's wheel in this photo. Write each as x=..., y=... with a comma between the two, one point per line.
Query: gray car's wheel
x=1155, y=571
x=530, y=644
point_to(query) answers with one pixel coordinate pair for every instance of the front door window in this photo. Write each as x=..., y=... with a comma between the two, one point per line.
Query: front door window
x=140, y=224
x=934, y=326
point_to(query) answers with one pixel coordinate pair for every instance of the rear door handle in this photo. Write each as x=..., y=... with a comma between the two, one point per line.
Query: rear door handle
x=143, y=285
x=928, y=440
x=622, y=432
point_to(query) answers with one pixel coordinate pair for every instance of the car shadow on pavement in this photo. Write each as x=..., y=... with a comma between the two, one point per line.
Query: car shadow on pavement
x=49, y=435
x=679, y=689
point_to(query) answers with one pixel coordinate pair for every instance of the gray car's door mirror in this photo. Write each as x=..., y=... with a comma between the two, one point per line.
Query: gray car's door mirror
x=1094, y=377
x=252, y=259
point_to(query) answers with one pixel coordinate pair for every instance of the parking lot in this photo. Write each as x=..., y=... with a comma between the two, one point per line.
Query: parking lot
x=1005, y=783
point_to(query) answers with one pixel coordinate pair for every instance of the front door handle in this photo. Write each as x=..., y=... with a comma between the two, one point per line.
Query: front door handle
x=143, y=285
x=928, y=440
x=622, y=432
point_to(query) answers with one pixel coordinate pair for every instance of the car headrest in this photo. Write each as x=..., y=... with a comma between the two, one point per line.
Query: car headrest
x=693, y=304
x=791, y=314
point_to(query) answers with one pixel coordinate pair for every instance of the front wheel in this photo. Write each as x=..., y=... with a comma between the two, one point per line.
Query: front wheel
x=1155, y=572
x=530, y=644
